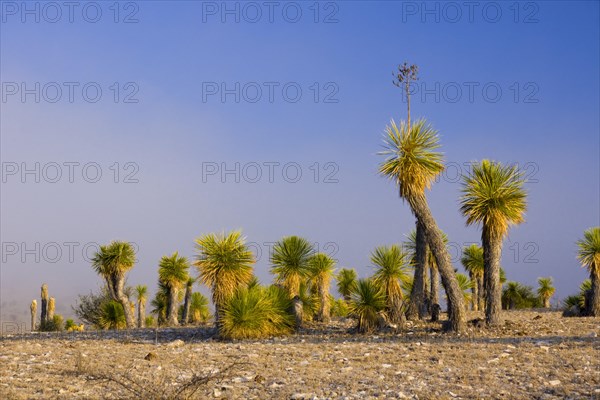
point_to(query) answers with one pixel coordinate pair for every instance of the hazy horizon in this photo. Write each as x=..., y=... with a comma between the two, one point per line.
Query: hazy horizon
x=179, y=120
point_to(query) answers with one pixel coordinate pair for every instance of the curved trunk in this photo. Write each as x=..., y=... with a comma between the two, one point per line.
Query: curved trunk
x=456, y=308
x=324, y=300
x=141, y=314
x=492, y=249
x=186, y=305
x=594, y=304
x=475, y=291
x=172, y=310
x=416, y=306
x=116, y=290
x=435, y=284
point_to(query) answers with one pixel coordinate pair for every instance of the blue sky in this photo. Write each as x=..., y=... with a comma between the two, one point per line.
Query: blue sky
x=542, y=56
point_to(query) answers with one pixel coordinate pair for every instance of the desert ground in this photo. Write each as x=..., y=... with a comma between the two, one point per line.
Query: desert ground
x=534, y=355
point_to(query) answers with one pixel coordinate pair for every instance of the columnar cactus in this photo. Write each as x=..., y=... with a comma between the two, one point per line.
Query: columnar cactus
x=44, y=317
x=51, y=309
x=33, y=308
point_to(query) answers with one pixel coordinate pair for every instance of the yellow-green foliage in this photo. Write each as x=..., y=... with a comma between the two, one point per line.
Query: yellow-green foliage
x=257, y=313
x=339, y=308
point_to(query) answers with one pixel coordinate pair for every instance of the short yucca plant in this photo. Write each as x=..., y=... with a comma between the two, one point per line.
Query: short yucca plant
x=256, y=312
x=113, y=316
x=366, y=302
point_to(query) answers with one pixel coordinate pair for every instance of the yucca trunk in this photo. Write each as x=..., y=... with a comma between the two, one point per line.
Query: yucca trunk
x=324, y=300
x=186, y=305
x=116, y=284
x=417, y=307
x=593, y=307
x=33, y=309
x=395, y=314
x=44, y=316
x=141, y=314
x=492, y=249
x=172, y=308
x=456, y=308
x=481, y=290
x=475, y=291
x=435, y=284
x=546, y=302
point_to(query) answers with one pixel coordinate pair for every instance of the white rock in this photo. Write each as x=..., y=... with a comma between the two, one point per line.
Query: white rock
x=386, y=365
x=554, y=383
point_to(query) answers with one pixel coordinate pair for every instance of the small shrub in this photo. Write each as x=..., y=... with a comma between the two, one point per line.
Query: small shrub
x=150, y=322
x=69, y=324
x=366, y=302
x=112, y=316
x=339, y=308
x=257, y=313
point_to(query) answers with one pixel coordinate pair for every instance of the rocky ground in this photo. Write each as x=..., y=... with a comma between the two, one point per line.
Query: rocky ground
x=534, y=355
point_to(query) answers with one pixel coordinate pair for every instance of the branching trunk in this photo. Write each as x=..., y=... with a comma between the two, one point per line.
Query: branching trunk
x=186, y=305
x=456, y=308
x=118, y=284
x=594, y=304
x=172, y=310
x=416, y=304
x=492, y=248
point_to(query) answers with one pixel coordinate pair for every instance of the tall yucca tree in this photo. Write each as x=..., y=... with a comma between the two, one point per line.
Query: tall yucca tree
x=321, y=268
x=545, y=291
x=392, y=271
x=225, y=263
x=346, y=282
x=472, y=260
x=493, y=196
x=112, y=262
x=290, y=262
x=413, y=162
x=173, y=272
x=589, y=256
x=141, y=293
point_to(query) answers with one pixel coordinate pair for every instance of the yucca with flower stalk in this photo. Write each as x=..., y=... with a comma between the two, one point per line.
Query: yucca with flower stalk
x=413, y=163
x=589, y=256
x=493, y=197
x=225, y=263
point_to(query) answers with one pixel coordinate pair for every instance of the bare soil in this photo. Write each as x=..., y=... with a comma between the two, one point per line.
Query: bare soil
x=533, y=355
